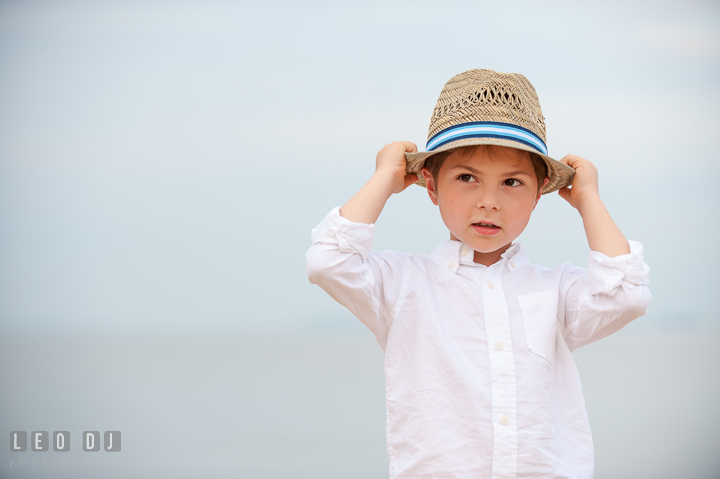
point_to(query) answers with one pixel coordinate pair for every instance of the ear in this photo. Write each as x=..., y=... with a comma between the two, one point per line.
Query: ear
x=430, y=183
x=540, y=191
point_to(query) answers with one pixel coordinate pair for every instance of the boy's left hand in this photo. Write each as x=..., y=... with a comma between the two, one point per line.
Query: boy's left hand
x=585, y=182
x=602, y=233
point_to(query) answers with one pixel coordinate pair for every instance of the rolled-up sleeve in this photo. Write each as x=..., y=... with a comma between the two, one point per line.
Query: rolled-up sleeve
x=341, y=262
x=604, y=298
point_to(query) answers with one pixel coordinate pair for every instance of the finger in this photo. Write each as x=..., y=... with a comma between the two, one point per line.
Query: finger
x=410, y=147
x=410, y=179
x=564, y=193
x=573, y=161
x=566, y=160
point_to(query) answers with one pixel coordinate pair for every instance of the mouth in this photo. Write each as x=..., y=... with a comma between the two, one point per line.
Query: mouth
x=486, y=225
x=486, y=228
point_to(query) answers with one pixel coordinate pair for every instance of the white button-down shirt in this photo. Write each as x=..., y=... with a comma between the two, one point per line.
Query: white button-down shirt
x=480, y=380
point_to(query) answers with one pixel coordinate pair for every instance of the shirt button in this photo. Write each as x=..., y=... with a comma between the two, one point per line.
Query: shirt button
x=465, y=250
x=490, y=285
x=512, y=263
x=504, y=420
x=451, y=264
x=499, y=346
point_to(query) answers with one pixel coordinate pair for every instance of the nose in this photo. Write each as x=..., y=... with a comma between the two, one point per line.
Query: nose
x=488, y=198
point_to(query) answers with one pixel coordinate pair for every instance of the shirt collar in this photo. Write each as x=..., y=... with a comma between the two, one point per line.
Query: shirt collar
x=454, y=253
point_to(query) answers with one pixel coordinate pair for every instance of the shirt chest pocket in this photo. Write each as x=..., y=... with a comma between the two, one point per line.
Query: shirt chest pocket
x=539, y=316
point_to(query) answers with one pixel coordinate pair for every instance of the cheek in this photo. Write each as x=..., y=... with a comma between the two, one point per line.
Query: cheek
x=450, y=201
x=450, y=205
x=520, y=207
x=521, y=215
x=523, y=199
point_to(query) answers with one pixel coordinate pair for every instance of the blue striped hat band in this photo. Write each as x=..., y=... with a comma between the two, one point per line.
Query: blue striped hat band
x=487, y=129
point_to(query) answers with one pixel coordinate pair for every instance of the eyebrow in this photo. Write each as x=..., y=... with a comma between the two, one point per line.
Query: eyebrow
x=477, y=172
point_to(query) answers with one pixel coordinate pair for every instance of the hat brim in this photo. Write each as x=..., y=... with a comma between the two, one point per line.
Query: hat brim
x=560, y=174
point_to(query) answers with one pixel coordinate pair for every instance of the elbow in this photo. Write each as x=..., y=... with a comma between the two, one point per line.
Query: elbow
x=635, y=304
x=642, y=298
x=320, y=265
x=313, y=267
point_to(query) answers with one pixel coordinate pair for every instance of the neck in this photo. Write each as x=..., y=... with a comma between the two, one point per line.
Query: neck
x=493, y=257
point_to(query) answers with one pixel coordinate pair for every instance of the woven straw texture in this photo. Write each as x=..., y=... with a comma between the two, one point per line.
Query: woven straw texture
x=487, y=95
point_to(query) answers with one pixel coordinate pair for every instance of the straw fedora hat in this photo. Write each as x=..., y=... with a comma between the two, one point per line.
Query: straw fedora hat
x=485, y=107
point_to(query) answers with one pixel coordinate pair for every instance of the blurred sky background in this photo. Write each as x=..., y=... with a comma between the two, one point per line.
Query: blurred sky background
x=163, y=162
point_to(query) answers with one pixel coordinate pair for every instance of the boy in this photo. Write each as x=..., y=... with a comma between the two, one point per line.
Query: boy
x=480, y=381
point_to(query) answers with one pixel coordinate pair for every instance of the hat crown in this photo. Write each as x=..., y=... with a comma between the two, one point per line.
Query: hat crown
x=488, y=96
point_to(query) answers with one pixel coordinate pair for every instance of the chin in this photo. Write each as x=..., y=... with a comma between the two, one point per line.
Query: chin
x=486, y=247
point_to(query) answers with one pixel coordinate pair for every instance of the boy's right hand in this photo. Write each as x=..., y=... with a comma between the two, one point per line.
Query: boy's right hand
x=389, y=178
x=391, y=161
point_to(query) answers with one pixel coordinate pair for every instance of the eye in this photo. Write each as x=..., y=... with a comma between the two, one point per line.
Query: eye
x=465, y=178
x=512, y=182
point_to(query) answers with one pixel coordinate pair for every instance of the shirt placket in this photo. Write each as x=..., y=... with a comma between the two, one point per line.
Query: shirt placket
x=502, y=372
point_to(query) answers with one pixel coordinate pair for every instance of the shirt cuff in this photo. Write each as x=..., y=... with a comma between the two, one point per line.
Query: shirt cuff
x=608, y=274
x=349, y=237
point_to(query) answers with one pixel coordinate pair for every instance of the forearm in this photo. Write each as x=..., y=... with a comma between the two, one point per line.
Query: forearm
x=368, y=203
x=602, y=233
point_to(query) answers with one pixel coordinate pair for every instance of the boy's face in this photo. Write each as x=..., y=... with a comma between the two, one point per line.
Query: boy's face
x=485, y=198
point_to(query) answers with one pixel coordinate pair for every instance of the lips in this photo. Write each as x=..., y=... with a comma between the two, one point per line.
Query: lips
x=486, y=225
x=486, y=228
